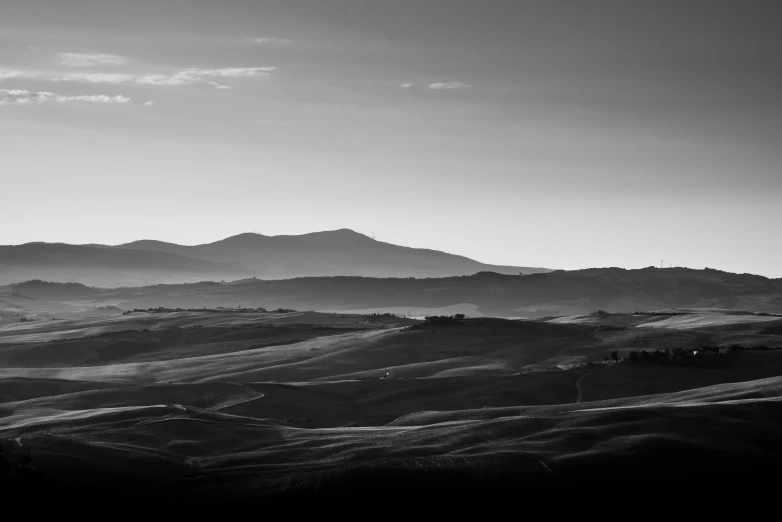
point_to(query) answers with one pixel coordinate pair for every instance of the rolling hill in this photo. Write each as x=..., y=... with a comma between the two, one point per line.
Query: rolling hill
x=193, y=410
x=557, y=293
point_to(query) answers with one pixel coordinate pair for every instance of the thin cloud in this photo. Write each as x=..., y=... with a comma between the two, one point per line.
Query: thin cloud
x=269, y=40
x=219, y=85
x=183, y=77
x=22, y=97
x=149, y=103
x=90, y=60
x=161, y=80
x=234, y=72
x=96, y=77
x=442, y=86
x=13, y=73
x=406, y=85
x=192, y=76
x=96, y=98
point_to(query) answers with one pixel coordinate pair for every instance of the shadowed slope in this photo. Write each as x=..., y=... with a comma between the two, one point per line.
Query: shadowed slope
x=211, y=456
x=497, y=347
x=477, y=408
x=298, y=347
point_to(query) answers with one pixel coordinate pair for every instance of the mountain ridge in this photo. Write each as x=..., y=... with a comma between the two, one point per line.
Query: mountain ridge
x=316, y=254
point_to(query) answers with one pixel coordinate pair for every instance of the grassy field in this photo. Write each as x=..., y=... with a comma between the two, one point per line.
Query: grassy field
x=237, y=407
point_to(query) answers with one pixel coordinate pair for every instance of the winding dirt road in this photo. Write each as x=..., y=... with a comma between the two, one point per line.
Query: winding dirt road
x=578, y=387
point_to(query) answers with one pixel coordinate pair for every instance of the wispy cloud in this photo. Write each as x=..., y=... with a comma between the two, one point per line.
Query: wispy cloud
x=96, y=77
x=406, y=85
x=162, y=80
x=183, y=77
x=22, y=97
x=191, y=76
x=90, y=60
x=441, y=86
x=67, y=77
x=13, y=73
x=149, y=103
x=269, y=40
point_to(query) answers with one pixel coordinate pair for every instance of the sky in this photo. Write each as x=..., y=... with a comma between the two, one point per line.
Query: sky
x=559, y=134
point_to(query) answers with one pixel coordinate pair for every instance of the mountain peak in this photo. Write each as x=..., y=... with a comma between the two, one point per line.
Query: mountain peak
x=246, y=238
x=334, y=237
x=339, y=236
x=338, y=252
x=344, y=232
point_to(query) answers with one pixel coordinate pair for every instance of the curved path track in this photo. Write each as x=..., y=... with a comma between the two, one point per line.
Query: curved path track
x=578, y=387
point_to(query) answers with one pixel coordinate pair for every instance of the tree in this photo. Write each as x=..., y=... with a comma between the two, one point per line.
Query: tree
x=445, y=319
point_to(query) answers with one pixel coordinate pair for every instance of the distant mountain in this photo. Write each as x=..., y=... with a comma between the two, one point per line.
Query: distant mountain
x=333, y=253
x=106, y=266
x=539, y=295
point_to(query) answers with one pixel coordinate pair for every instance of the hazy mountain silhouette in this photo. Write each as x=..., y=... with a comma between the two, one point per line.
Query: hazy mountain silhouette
x=332, y=253
x=539, y=295
x=106, y=266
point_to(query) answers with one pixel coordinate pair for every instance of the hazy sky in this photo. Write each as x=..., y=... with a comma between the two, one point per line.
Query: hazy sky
x=538, y=133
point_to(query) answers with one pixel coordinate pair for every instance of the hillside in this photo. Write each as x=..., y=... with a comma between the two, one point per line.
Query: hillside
x=235, y=409
x=558, y=293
